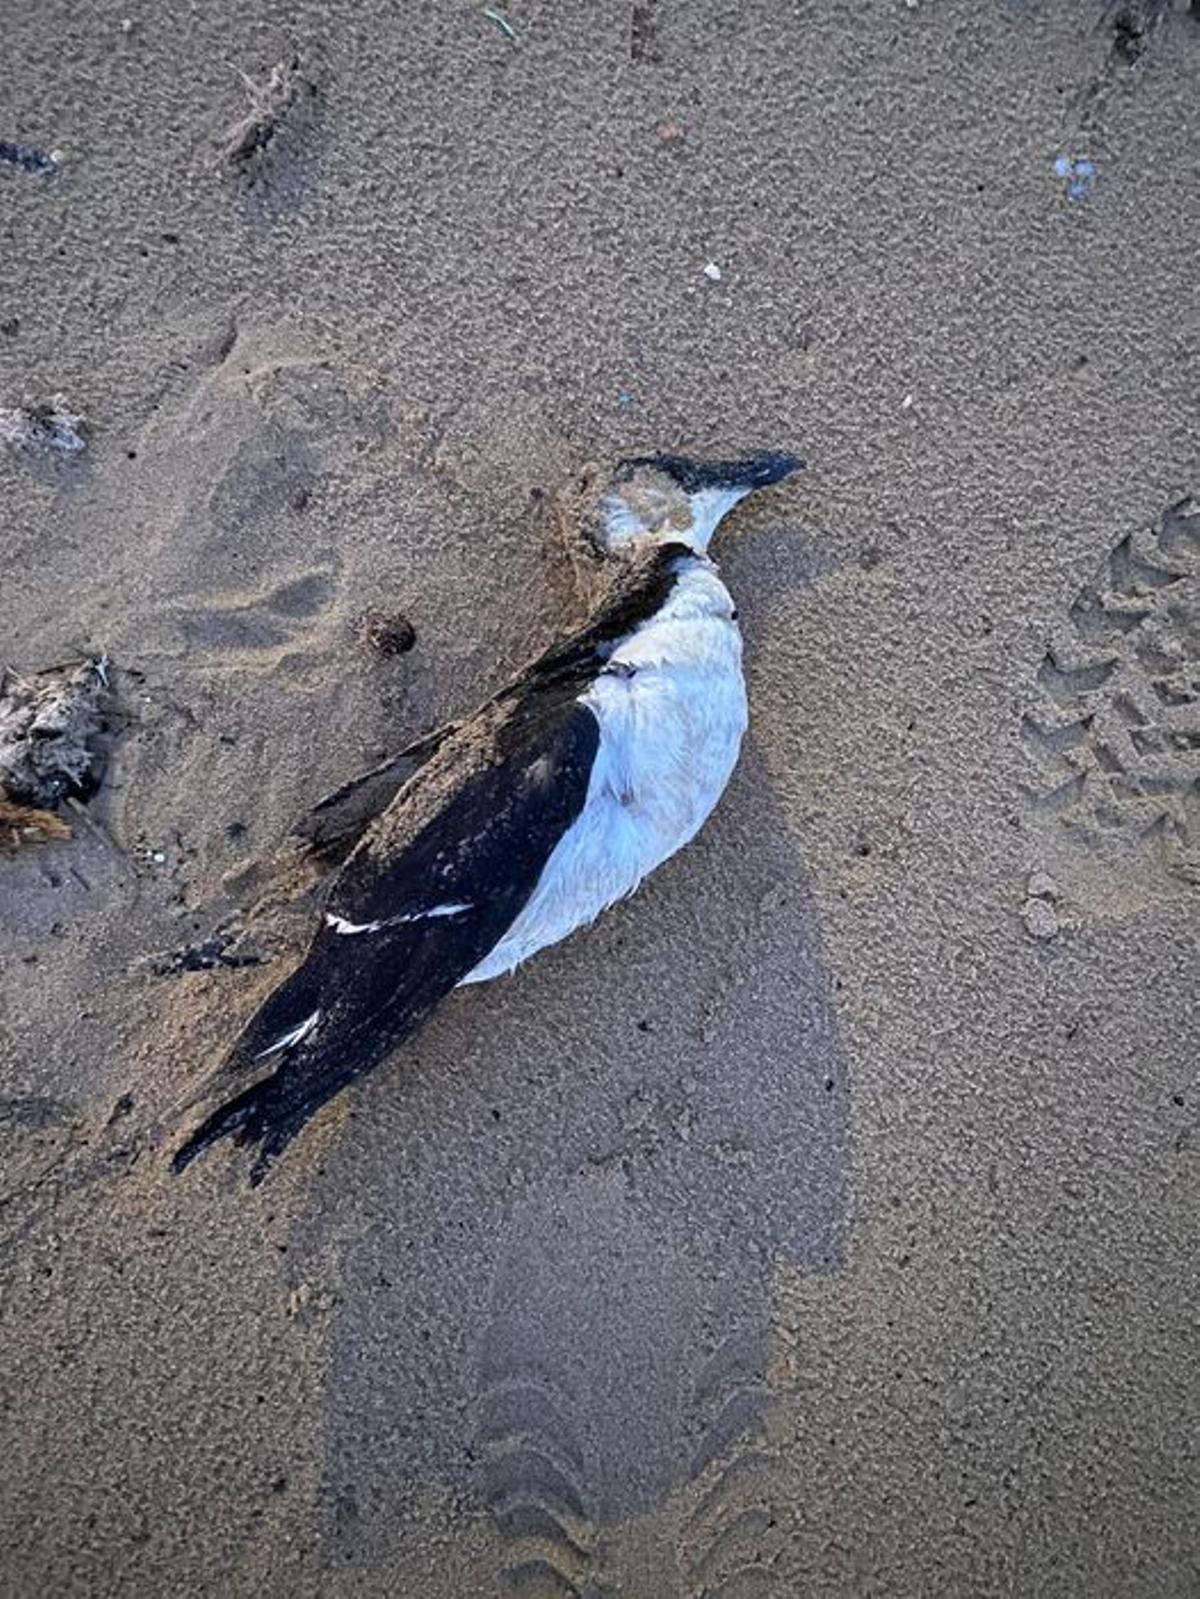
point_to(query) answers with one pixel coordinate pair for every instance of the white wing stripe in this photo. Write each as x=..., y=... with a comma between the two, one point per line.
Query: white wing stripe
x=294, y=1037
x=341, y=925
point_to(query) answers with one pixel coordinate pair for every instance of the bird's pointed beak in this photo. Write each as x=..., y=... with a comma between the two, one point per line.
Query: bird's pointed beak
x=719, y=485
x=713, y=488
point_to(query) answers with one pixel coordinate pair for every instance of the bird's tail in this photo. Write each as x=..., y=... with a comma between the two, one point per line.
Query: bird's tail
x=269, y=1113
x=273, y=1079
x=308, y=1040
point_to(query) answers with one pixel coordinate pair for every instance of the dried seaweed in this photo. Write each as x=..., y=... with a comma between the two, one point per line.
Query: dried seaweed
x=271, y=98
x=26, y=824
x=52, y=729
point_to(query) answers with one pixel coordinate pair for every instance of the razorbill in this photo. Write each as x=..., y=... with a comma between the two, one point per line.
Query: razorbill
x=525, y=820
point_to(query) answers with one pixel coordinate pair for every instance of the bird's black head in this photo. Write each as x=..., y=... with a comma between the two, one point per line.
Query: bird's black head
x=677, y=499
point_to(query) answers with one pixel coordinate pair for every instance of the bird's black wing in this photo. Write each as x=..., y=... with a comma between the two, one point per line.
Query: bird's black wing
x=407, y=917
x=430, y=889
x=331, y=828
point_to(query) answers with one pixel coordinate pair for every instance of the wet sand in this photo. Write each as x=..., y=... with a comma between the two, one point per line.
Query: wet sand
x=822, y=1222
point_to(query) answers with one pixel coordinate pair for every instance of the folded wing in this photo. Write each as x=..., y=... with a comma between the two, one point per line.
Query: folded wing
x=428, y=892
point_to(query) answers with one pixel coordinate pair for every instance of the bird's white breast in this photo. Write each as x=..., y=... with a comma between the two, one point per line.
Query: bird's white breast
x=672, y=710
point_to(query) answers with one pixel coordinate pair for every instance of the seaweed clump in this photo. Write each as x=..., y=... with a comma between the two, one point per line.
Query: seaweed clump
x=52, y=747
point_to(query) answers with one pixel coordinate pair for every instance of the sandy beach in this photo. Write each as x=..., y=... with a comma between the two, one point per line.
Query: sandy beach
x=823, y=1222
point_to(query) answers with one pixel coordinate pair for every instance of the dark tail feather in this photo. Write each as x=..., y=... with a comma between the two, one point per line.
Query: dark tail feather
x=242, y=1118
x=273, y=1109
x=269, y=1113
x=296, y=997
x=338, y=1014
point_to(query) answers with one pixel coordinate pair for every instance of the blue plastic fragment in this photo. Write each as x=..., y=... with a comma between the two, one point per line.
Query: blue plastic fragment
x=27, y=157
x=1078, y=173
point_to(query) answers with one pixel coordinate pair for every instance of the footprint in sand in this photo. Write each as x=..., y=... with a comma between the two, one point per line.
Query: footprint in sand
x=257, y=631
x=1113, y=732
x=733, y=1526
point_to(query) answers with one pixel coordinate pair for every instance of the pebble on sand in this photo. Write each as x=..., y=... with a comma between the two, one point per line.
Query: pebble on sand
x=1041, y=919
x=1078, y=174
x=1042, y=886
x=29, y=158
x=386, y=632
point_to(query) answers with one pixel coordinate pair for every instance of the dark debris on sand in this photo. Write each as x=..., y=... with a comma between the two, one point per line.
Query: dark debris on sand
x=219, y=950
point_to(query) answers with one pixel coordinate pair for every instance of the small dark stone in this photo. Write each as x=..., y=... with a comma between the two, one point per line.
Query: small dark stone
x=121, y=1109
x=387, y=633
x=1128, y=38
x=10, y=327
